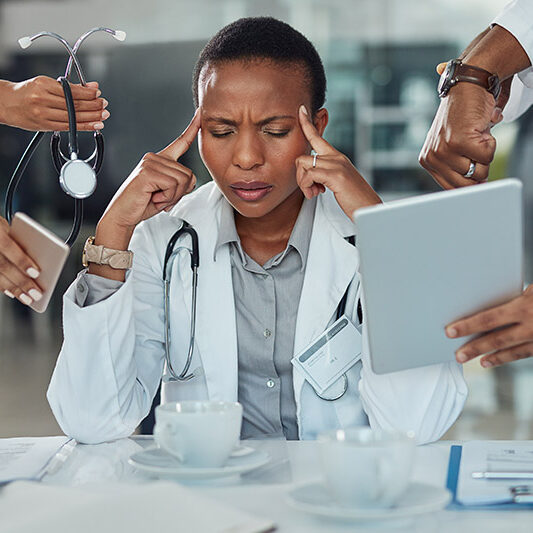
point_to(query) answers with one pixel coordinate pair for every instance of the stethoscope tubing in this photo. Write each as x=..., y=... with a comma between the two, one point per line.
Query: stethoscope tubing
x=186, y=229
x=170, y=252
x=55, y=143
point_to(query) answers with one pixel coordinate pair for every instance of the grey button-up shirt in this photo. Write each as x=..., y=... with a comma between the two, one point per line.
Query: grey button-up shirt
x=266, y=303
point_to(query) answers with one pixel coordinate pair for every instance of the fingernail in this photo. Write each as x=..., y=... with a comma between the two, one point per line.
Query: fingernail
x=106, y=103
x=451, y=332
x=35, y=294
x=33, y=272
x=10, y=294
x=98, y=93
x=462, y=357
x=25, y=299
x=304, y=110
x=486, y=364
x=105, y=114
x=98, y=126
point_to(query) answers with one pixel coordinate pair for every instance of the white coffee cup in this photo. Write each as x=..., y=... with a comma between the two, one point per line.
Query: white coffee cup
x=366, y=468
x=198, y=433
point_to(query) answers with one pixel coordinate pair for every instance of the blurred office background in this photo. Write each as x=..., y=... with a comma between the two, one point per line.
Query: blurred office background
x=380, y=57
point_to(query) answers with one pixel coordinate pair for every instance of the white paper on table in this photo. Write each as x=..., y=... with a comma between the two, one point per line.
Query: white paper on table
x=157, y=506
x=27, y=457
x=487, y=456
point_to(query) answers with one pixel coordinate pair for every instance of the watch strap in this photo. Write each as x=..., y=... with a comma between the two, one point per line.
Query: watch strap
x=462, y=72
x=100, y=255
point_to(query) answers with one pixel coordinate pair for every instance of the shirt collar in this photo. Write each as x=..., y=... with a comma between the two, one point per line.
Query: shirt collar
x=227, y=232
x=301, y=233
x=299, y=239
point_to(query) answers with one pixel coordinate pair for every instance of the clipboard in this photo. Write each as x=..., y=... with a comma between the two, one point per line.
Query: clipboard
x=452, y=481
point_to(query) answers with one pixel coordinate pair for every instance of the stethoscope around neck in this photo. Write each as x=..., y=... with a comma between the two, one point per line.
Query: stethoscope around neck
x=77, y=176
x=334, y=392
x=170, y=254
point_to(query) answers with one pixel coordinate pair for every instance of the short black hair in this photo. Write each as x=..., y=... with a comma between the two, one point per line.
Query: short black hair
x=264, y=38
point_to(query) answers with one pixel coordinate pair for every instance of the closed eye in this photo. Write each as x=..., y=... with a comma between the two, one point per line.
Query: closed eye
x=277, y=133
x=221, y=133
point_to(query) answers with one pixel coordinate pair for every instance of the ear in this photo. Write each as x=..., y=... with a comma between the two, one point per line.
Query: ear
x=320, y=120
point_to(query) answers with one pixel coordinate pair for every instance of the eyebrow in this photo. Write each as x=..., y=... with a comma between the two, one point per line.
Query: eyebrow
x=264, y=122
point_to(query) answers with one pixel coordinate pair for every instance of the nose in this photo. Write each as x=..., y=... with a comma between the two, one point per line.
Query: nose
x=247, y=151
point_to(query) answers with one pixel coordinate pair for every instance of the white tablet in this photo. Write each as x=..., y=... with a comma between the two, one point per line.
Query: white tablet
x=430, y=260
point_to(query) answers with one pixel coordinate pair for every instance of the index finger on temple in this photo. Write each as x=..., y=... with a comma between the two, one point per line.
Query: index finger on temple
x=319, y=145
x=180, y=145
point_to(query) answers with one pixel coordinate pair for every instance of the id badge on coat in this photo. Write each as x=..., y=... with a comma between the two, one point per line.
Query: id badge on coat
x=329, y=356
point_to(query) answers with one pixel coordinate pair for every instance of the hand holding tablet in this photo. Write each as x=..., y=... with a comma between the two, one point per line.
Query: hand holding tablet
x=427, y=262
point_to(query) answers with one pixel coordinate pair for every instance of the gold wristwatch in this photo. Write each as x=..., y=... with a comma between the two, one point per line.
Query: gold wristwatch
x=98, y=254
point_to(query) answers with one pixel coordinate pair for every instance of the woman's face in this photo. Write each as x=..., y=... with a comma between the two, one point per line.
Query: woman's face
x=251, y=135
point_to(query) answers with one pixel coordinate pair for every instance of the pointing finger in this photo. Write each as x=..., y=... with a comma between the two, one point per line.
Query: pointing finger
x=319, y=145
x=179, y=146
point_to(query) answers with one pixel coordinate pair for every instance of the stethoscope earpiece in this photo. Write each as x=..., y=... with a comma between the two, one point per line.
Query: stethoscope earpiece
x=77, y=177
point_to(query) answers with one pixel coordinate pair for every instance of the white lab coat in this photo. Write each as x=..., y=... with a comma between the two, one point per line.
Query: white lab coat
x=112, y=357
x=517, y=18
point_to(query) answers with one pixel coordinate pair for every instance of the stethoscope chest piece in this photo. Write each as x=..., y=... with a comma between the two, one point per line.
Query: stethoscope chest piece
x=78, y=179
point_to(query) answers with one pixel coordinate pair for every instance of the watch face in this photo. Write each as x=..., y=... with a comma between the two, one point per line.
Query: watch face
x=445, y=79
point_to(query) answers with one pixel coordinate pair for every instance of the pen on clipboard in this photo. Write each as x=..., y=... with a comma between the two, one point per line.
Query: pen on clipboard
x=503, y=475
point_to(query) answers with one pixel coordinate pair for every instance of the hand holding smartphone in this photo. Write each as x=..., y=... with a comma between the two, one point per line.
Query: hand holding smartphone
x=45, y=249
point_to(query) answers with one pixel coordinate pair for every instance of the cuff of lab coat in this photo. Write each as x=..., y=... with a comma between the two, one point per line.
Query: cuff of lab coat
x=516, y=19
x=88, y=289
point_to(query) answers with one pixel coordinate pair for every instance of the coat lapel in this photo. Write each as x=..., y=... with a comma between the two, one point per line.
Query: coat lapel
x=332, y=263
x=216, y=337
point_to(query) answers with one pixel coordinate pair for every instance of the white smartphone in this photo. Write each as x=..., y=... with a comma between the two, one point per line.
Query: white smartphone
x=47, y=250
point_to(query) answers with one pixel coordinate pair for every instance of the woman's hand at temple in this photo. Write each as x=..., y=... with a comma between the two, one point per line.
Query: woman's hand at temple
x=17, y=270
x=39, y=104
x=332, y=170
x=156, y=184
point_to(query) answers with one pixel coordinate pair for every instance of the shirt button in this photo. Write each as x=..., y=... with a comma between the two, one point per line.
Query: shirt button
x=270, y=383
x=81, y=288
x=267, y=333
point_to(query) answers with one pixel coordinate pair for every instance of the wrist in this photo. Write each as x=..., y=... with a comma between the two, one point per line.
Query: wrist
x=6, y=87
x=363, y=196
x=498, y=52
x=112, y=235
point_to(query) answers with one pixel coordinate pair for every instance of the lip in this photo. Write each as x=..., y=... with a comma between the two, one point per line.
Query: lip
x=251, y=191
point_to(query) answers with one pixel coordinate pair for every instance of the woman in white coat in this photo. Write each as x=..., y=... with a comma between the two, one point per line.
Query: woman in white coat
x=274, y=265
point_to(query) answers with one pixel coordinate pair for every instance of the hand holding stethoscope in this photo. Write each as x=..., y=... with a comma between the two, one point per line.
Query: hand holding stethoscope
x=328, y=167
x=38, y=104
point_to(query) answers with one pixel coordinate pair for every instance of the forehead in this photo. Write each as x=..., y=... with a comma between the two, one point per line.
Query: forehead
x=263, y=83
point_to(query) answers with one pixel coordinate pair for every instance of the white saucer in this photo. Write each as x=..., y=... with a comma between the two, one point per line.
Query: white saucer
x=315, y=498
x=156, y=461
